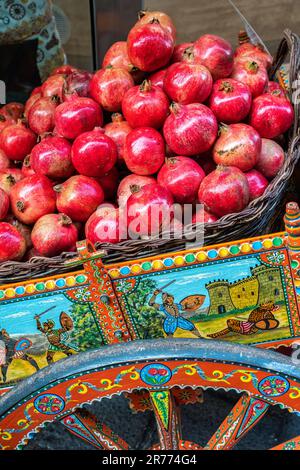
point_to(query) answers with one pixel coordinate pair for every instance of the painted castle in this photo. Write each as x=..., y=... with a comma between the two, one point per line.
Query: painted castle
x=264, y=285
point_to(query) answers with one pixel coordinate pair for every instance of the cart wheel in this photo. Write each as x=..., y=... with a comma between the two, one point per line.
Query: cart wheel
x=262, y=379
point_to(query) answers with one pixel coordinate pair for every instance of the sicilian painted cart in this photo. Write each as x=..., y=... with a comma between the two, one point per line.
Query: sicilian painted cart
x=159, y=331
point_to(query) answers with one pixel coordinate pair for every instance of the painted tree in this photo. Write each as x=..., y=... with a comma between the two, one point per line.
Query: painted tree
x=85, y=334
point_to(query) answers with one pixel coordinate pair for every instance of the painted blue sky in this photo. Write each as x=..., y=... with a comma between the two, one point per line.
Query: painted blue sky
x=18, y=317
x=192, y=281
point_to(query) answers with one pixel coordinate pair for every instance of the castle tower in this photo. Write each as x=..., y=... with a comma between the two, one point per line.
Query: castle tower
x=270, y=284
x=219, y=295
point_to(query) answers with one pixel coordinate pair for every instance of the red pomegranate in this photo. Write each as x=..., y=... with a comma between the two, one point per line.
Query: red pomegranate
x=188, y=82
x=105, y=226
x=144, y=151
x=53, y=234
x=190, y=129
x=13, y=111
x=271, y=158
x=77, y=83
x=180, y=51
x=182, y=177
x=150, y=46
x=52, y=158
x=239, y=145
x=78, y=115
x=117, y=56
x=78, y=197
x=30, y=102
x=275, y=87
x=27, y=169
x=41, y=115
x=109, y=86
x=130, y=184
x=17, y=141
x=102, y=210
x=63, y=70
x=4, y=204
x=203, y=217
x=252, y=74
x=118, y=130
x=4, y=161
x=146, y=17
x=157, y=78
x=145, y=106
x=214, y=53
x=147, y=209
x=24, y=230
x=94, y=153
x=5, y=122
x=254, y=52
x=230, y=100
x=53, y=86
x=31, y=198
x=12, y=244
x=8, y=179
x=109, y=183
x=257, y=184
x=271, y=115
x=224, y=191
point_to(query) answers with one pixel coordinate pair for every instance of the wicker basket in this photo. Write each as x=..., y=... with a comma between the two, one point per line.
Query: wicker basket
x=255, y=219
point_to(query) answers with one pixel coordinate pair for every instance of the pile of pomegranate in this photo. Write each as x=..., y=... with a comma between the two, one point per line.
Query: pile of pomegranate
x=159, y=123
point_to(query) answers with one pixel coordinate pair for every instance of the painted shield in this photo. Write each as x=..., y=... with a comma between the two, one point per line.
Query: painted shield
x=66, y=321
x=268, y=324
x=192, y=302
x=23, y=344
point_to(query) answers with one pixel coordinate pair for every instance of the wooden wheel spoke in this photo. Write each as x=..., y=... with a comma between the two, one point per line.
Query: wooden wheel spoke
x=292, y=444
x=167, y=418
x=85, y=426
x=246, y=413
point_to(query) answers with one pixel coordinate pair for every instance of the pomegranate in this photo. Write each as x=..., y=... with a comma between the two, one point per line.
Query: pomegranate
x=31, y=198
x=182, y=177
x=150, y=46
x=4, y=161
x=271, y=115
x=78, y=115
x=64, y=70
x=214, y=53
x=239, y=145
x=23, y=229
x=275, y=87
x=9, y=178
x=102, y=210
x=12, y=244
x=52, y=158
x=271, y=158
x=53, y=234
x=118, y=130
x=163, y=19
x=27, y=169
x=190, y=129
x=41, y=115
x=105, y=226
x=17, y=141
x=5, y=122
x=147, y=209
x=109, y=86
x=257, y=184
x=109, y=183
x=94, y=153
x=252, y=74
x=77, y=83
x=203, y=216
x=36, y=90
x=188, y=82
x=230, y=100
x=144, y=151
x=78, y=197
x=145, y=106
x=13, y=111
x=130, y=184
x=180, y=51
x=224, y=191
x=53, y=86
x=254, y=52
x=30, y=102
x=117, y=56
x=157, y=78
x=4, y=204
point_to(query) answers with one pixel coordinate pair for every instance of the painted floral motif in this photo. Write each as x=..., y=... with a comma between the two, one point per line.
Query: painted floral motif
x=49, y=404
x=273, y=386
x=156, y=374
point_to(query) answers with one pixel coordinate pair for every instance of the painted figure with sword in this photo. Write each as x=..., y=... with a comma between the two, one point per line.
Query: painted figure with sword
x=58, y=338
x=171, y=310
